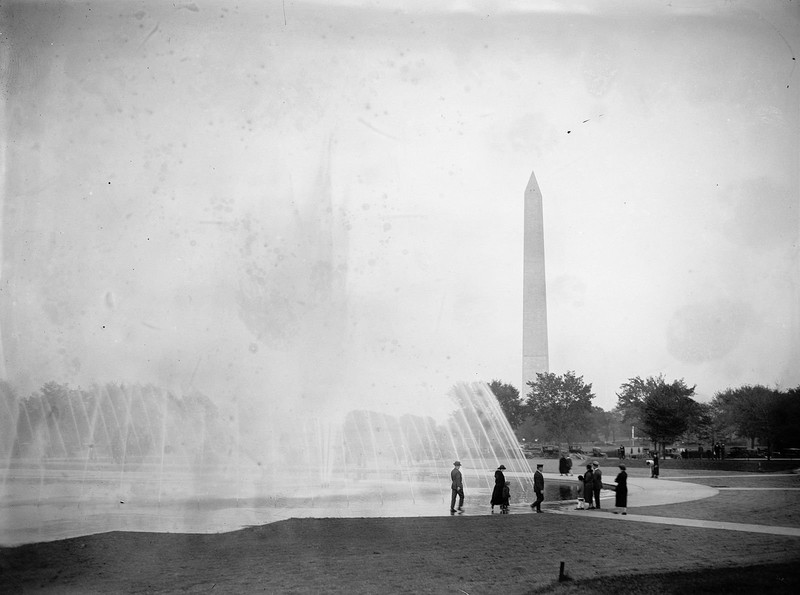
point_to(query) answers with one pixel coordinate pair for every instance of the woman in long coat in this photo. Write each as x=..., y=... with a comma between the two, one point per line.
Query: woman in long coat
x=588, y=486
x=621, y=500
x=499, y=484
x=654, y=472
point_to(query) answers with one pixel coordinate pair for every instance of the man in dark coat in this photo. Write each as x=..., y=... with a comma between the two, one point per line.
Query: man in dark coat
x=538, y=487
x=597, y=479
x=456, y=487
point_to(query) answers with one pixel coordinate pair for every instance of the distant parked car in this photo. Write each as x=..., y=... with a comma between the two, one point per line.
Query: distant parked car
x=742, y=452
x=737, y=452
x=531, y=451
x=550, y=451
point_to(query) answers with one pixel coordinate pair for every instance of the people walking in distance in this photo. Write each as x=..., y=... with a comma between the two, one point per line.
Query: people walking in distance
x=621, y=498
x=456, y=488
x=538, y=488
x=597, y=483
x=588, y=486
x=564, y=464
x=506, y=498
x=654, y=469
x=499, y=484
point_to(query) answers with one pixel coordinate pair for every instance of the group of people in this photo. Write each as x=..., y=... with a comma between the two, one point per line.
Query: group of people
x=502, y=490
x=592, y=481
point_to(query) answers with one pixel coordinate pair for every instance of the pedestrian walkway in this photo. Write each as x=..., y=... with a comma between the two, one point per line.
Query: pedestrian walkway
x=727, y=489
x=643, y=491
x=746, y=527
x=739, y=476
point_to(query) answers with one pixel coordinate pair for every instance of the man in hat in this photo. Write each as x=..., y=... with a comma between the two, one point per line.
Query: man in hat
x=538, y=487
x=597, y=483
x=456, y=487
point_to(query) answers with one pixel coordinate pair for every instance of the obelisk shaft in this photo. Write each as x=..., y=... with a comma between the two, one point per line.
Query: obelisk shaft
x=535, y=356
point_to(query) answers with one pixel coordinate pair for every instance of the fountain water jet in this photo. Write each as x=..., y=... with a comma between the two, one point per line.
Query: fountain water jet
x=206, y=297
x=166, y=454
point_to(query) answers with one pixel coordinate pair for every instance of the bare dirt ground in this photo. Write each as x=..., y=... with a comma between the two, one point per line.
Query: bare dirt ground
x=462, y=554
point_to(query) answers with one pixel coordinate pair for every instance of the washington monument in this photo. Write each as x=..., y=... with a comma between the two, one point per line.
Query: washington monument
x=534, y=293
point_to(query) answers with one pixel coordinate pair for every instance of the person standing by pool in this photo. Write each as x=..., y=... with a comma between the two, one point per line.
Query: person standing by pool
x=499, y=484
x=621, y=499
x=588, y=486
x=538, y=487
x=564, y=464
x=597, y=483
x=456, y=487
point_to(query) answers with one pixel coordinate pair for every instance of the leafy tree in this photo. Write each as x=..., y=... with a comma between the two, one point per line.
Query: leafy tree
x=757, y=412
x=510, y=403
x=562, y=403
x=787, y=428
x=721, y=425
x=632, y=395
x=531, y=430
x=662, y=411
x=607, y=425
x=702, y=424
x=667, y=411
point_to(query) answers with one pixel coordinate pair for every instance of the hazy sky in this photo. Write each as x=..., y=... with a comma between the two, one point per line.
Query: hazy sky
x=324, y=199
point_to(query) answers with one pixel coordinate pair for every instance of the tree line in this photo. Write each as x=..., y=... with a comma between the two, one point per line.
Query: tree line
x=558, y=408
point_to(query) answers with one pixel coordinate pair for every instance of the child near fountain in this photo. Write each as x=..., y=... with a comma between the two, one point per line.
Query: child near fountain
x=506, y=498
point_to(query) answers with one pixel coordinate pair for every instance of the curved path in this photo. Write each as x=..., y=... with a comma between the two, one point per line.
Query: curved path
x=644, y=491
